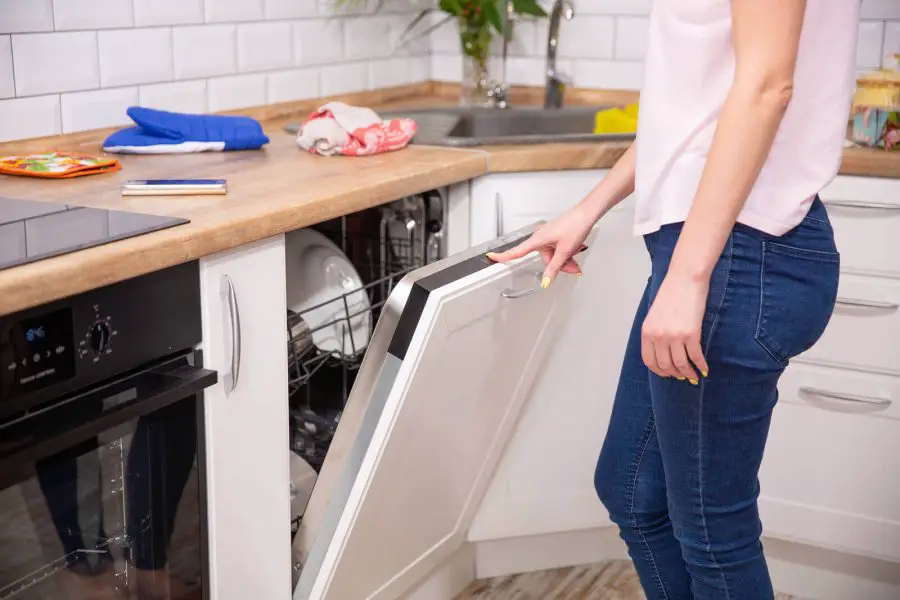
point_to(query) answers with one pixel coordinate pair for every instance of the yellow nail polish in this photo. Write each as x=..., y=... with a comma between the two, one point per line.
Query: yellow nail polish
x=681, y=379
x=579, y=273
x=545, y=282
x=705, y=374
x=694, y=382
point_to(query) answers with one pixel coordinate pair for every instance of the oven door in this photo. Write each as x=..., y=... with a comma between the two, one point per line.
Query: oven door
x=446, y=374
x=100, y=492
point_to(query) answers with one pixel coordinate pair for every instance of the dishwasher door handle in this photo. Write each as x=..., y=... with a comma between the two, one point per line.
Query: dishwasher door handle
x=229, y=295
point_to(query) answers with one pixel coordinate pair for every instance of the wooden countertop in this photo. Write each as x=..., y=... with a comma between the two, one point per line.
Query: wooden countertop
x=272, y=191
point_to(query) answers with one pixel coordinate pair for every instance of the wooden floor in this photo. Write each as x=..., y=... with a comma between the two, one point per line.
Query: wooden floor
x=615, y=580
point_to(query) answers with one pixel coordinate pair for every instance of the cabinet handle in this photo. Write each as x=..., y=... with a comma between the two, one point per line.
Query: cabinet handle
x=498, y=205
x=234, y=317
x=846, y=397
x=867, y=303
x=861, y=204
x=513, y=294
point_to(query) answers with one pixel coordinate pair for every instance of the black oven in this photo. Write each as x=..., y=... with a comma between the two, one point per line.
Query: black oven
x=101, y=444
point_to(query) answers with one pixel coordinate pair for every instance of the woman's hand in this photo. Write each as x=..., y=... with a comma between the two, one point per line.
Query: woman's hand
x=557, y=242
x=670, y=335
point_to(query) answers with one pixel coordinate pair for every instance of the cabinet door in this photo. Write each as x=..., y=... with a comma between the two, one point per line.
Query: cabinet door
x=544, y=482
x=829, y=476
x=246, y=416
x=468, y=340
x=507, y=202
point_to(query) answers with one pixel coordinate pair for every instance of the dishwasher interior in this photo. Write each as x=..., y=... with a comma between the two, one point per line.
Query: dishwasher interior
x=332, y=313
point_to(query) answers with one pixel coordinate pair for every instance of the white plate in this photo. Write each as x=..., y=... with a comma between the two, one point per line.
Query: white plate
x=319, y=274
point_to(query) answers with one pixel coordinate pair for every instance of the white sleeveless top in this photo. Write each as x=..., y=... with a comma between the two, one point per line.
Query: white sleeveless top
x=689, y=71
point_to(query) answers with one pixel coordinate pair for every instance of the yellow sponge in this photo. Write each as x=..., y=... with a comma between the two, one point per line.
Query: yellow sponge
x=616, y=120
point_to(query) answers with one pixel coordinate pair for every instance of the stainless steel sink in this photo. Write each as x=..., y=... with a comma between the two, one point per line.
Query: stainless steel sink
x=466, y=127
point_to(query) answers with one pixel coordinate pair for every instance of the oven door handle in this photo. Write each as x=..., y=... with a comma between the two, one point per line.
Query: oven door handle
x=43, y=433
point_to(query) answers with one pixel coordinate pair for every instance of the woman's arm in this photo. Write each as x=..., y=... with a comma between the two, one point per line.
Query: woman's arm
x=561, y=238
x=766, y=36
x=612, y=189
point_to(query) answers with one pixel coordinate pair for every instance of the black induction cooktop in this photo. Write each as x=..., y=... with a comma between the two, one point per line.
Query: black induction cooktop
x=31, y=231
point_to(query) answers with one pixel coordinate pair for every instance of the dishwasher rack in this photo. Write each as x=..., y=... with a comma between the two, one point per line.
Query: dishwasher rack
x=384, y=244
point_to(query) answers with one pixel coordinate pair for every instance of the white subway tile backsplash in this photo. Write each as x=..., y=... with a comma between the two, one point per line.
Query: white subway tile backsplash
x=446, y=67
x=264, y=46
x=891, y=43
x=97, y=109
x=293, y=84
x=522, y=70
x=587, y=37
x=368, y=37
x=92, y=14
x=204, y=51
x=880, y=9
x=389, y=72
x=445, y=39
x=221, y=11
x=7, y=81
x=608, y=74
x=148, y=13
x=870, y=44
x=55, y=62
x=631, y=38
x=179, y=96
x=130, y=56
x=26, y=16
x=345, y=78
x=290, y=9
x=32, y=117
x=318, y=41
x=236, y=91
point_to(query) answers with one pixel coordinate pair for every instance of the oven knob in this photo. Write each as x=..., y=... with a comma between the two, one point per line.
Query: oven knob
x=99, y=337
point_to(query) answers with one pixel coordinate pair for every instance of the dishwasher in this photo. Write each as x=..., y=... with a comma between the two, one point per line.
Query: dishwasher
x=396, y=430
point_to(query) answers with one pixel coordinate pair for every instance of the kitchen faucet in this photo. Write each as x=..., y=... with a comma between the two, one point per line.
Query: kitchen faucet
x=556, y=81
x=498, y=91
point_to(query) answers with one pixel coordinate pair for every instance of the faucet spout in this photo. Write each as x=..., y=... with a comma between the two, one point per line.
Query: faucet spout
x=556, y=81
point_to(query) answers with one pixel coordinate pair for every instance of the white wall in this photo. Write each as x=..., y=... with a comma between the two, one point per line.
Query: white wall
x=71, y=65
x=603, y=46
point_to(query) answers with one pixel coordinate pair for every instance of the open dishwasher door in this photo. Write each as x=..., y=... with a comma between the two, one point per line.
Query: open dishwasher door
x=447, y=371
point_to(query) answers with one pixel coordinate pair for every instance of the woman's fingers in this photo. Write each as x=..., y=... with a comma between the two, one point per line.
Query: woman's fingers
x=570, y=267
x=695, y=352
x=681, y=364
x=528, y=246
x=648, y=355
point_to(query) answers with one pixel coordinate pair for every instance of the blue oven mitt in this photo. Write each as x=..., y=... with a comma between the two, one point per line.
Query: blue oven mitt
x=161, y=132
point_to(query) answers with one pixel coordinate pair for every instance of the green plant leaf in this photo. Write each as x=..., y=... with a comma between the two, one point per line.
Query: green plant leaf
x=451, y=6
x=529, y=7
x=494, y=14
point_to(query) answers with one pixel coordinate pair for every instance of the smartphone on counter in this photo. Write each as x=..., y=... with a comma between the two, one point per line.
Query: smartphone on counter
x=174, y=187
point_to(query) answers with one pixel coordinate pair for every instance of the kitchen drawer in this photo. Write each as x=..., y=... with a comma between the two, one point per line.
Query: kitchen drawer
x=865, y=327
x=830, y=473
x=865, y=212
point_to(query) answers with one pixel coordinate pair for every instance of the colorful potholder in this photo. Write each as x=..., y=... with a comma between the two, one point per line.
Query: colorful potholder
x=57, y=165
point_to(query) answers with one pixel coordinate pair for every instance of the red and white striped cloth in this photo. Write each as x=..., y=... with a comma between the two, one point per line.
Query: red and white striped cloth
x=338, y=128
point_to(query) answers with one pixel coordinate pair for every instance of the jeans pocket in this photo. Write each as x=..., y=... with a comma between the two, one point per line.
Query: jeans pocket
x=798, y=290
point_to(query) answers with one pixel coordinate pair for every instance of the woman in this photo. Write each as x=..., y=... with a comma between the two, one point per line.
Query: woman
x=742, y=121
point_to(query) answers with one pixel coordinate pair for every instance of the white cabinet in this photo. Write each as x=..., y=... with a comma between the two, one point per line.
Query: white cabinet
x=830, y=474
x=246, y=423
x=544, y=482
x=509, y=201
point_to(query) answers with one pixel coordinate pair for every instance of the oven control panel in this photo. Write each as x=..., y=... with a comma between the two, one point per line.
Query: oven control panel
x=72, y=344
x=39, y=351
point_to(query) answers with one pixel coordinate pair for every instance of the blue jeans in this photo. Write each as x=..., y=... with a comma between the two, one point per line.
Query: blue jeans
x=678, y=470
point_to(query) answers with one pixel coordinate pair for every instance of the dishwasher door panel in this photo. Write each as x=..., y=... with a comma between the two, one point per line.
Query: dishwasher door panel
x=448, y=370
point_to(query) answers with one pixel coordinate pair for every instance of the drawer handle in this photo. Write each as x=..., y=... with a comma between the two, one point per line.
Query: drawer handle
x=846, y=397
x=234, y=317
x=859, y=204
x=513, y=294
x=867, y=303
